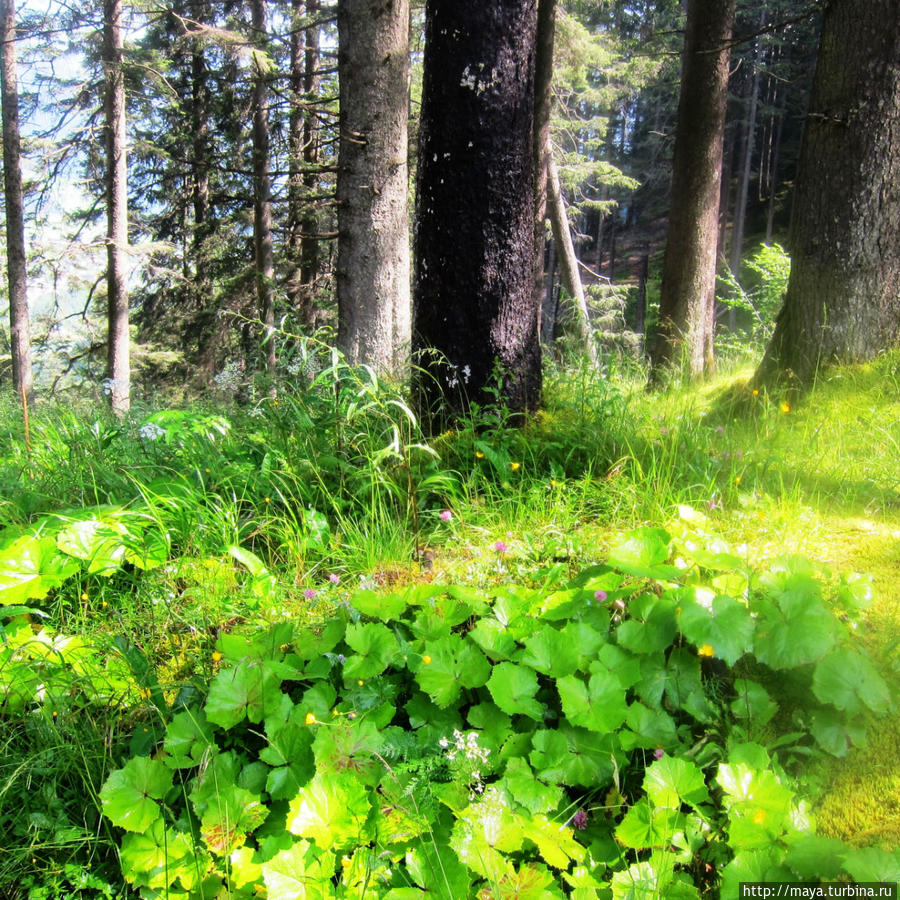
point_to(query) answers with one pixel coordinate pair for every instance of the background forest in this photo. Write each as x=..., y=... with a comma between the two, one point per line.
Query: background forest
x=424, y=472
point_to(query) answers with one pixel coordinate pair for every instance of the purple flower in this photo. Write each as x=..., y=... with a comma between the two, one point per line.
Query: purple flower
x=334, y=578
x=580, y=820
x=501, y=547
x=659, y=753
x=446, y=515
x=720, y=429
x=309, y=593
x=600, y=596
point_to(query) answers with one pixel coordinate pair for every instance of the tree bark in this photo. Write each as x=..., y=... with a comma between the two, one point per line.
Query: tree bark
x=262, y=203
x=373, y=265
x=118, y=369
x=687, y=297
x=16, y=266
x=543, y=101
x=476, y=313
x=843, y=297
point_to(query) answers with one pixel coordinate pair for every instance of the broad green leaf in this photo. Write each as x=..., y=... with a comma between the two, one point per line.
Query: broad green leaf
x=189, y=739
x=759, y=806
x=847, y=680
x=550, y=756
x=650, y=728
x=447, y=666
x=244, y=871
x=753, y=866
x=617, y=665
x=652, y=628
x=494, y=638
x=644, y=552
x=555, y=842
x=379, y=606
x=493, y=724
x=551, y=652
x=527, y=790
x=873, y=864
x=753, y=703
x=795, y=630
x=30, y=567
x=585, y=640
x=129, y=795
x=647, y=826
x=513, y=688
x=158, y=857
x=593, y=758
x=814, y=857
x=331, y=810
x=297, y=873
x=719, y=622
x=349, y=745
x=230, y=818
x=599, y=705
x=436, y=869
x=252, y=689
x=375, y=646
x=671, y=781
x=835, y=733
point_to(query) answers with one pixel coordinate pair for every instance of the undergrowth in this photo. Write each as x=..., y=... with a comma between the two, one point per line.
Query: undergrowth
x=142, y=561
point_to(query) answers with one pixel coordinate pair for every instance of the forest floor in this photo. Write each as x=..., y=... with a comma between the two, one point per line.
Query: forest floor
x=249, y=522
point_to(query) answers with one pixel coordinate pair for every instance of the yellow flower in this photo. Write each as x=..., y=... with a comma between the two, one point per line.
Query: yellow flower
x=216, y=656
x=267, y=499
x=706, y=650
x=737, y=479
x=84, y=596
x=207, y=470
x=785, y=406
x=759, y=817
x=54, y=713
x=515, y=466
x=345, y=861
x=426, y=659
x=310, y=718
x=360, y=682
x=104, y=604
x=755, y=392
x=479, y=454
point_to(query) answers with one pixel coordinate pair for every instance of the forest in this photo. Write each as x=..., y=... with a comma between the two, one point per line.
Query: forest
x=449, y=449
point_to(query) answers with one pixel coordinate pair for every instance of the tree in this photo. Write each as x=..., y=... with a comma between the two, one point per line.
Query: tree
x=843, y=296
x=263, y=252
x=373, y=267
x=475, y=307
x=19, y=325
x=687, y=296
x=118, y=369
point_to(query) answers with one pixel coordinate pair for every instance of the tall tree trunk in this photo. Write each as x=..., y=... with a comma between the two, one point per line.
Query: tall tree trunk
x=373, y=267
x=16, y=268
x=743, y=193
x=475, y=306
x=202, y=326
x=843, y=297
x=262, y=204
x=543, y=101
x=302, y=242
x=774, y=167
x=687, y=297
x=568, y=261
x=118, y=370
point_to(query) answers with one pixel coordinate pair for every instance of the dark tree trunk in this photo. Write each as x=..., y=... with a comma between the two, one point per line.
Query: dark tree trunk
x=640, y=309
x=373, y=270
x=16, y=267
x=543, y=78
x=118, y=370
x=843, y=298
x=302, y=242
x=262, y=204
x=687, y=297
x=475, y=304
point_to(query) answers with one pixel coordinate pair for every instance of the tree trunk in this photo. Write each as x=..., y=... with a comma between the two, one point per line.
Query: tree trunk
x=16, y=266
x=543, y=101
x=373, y=267
x=743, y=194
x=302, y=243
x=262, y=204
x=843, y=297
x=687, y=297
x=118, y=369
x=476, y=313
x=568, y=261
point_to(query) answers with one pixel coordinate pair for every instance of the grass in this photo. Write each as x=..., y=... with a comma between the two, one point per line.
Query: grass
x=331, y=487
